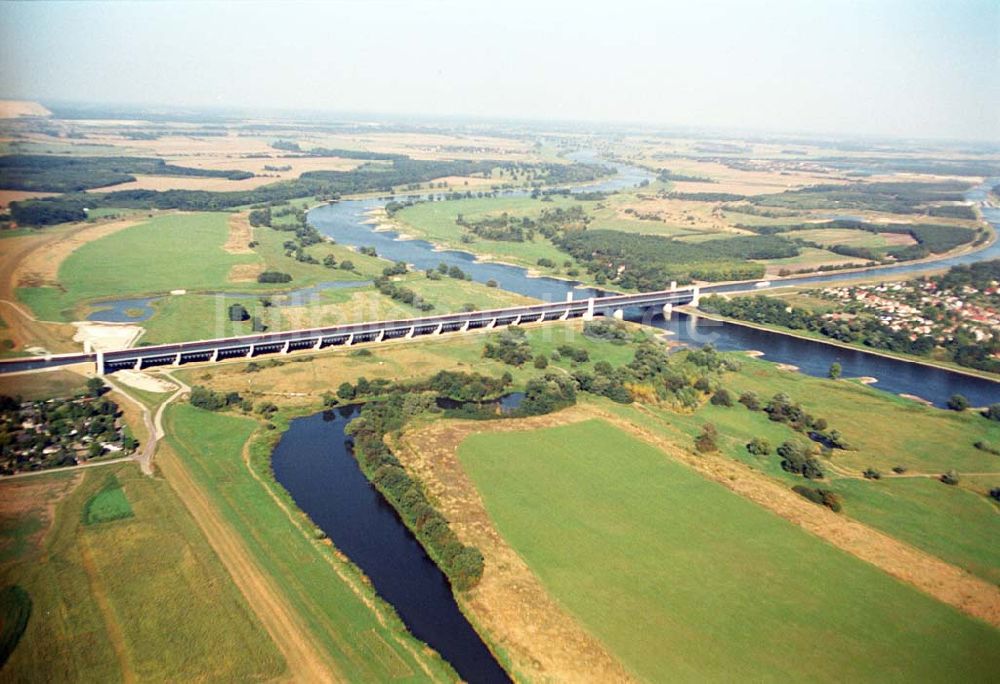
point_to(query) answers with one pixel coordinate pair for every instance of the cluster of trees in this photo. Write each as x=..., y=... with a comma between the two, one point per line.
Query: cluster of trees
x=931, y=238
x=707, y=196
x=210, y=400
x=549, y=224
x=510, y=346
x=607, y=331
x=894, y=198
x=55, y=173
x=552, y=392
x=274, y=277
x=444, y=269
x=401, y=293
x=650, y=262
x=666, y=176
x=798, y=458
x=387, y=414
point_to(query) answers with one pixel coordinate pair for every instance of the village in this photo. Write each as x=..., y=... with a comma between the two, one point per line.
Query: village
x=925, y=306
x=37, y=435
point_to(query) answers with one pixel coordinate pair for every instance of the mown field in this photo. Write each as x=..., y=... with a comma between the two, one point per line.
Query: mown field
x=327, y=594
x=616, y=530
x=122, y=597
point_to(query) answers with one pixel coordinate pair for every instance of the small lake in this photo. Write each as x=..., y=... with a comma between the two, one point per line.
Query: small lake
x=313, y=461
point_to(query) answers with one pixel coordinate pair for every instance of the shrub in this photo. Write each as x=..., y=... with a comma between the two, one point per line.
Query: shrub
x=796, y=459
x=949, y=478
x=958, y=402
x=238, y=312
x=984, y=446
x=750, y=400
x=823, y=497
x=759, y=446
x=992, y=412
x=722, y=397
x=274, y=277
x=541, y=361
x=995, y=493
x=707, y=440
x=872, y=474
x=835, y=371
x=346, y=265
x=899, y=470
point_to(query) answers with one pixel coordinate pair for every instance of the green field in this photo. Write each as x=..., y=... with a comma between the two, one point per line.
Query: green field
x=146, y=594
x=683, y=580
x=110, y=503
x=305, y=569
x=435, y=221
x=179, y=251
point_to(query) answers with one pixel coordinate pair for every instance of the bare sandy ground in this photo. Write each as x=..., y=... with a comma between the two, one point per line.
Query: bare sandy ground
x=12, y=109
x=8, y=196
x=41, y=266
x=144, y=381
x=106, y=336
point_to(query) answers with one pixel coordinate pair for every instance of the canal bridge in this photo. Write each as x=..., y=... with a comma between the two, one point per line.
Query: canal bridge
x=250, y=346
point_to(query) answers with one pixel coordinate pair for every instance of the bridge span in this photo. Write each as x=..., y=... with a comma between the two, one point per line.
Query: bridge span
x=249, y=346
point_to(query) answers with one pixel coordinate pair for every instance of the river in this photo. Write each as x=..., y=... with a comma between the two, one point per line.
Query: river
x=345, y=222
x=313, y=461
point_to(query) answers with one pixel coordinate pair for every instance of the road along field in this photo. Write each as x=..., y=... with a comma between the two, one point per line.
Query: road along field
x=614, y=530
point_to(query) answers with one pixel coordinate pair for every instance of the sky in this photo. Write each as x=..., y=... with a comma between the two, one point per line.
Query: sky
x=908, y=69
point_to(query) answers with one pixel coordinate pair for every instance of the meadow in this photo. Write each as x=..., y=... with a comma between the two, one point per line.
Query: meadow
x=361, y=635
x=615, y=529
x=122, y=598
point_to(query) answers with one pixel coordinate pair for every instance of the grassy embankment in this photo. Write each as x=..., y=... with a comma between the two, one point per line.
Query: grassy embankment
x=362, y=635
x=614, y=529
x=140, y=596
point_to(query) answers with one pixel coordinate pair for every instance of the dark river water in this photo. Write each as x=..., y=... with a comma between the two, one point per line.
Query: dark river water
x=314, y=463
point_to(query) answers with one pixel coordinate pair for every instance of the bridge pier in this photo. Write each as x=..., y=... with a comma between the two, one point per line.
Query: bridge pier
x=250, y=353
x=565, y=315
x=673, y=286
x=465, y=327
x=177, y=360
x=100, y=363
x=287, y=348
x=215, y=355
x=437, y=330
x=618, y=314
x=516, y=321
x=319, y=343
x=381, y=336
x=541, y=317
x=410, y=333
x=668, y=310
x=492, y=324
x=695, y=296
x=138, y=364
x=350, y=340
x=589, y=314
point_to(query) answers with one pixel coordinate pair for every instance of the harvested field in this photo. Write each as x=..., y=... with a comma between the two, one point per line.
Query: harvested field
x=8, y=196
x=240, y=234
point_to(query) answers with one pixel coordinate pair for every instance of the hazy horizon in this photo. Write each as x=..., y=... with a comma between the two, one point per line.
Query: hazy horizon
x=885, y=69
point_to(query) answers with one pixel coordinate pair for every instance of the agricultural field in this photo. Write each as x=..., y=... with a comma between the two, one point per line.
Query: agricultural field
x=94, y=549
x=615, y=529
